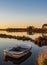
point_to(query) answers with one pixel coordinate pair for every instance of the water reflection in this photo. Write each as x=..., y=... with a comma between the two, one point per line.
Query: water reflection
x=17, y=61
x=42, y=57
x=44, y=35
x=15, y=37
x=40, y=41
x=14, y=33
x=30, y=33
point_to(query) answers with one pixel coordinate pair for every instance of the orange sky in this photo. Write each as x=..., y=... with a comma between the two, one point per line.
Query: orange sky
x=23, y=13
x=20, y=25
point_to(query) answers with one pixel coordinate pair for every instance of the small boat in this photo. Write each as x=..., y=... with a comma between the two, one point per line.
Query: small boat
x=17, y=61
x=17, y=52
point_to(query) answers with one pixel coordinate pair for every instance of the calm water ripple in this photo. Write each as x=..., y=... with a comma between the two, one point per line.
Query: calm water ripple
x=11, y=40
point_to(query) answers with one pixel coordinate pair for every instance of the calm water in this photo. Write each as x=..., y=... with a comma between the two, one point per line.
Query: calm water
x=31, y=59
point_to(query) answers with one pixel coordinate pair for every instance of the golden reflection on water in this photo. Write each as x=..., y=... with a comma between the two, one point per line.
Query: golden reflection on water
x=21, y=34
x=13, y=33
x=42, y=58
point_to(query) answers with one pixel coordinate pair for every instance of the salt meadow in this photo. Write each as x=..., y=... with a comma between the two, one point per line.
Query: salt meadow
x=37, y=41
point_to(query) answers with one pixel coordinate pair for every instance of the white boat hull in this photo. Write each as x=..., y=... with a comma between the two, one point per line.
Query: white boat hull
x=16, y=55
x=17, y=52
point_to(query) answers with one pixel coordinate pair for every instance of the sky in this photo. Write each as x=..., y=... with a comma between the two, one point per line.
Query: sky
x=22, y=13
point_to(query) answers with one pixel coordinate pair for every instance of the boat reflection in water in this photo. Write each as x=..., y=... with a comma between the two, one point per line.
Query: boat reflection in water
x=17, y=61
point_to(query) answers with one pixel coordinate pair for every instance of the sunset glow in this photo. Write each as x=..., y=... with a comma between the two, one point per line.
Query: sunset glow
x=22, y=13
